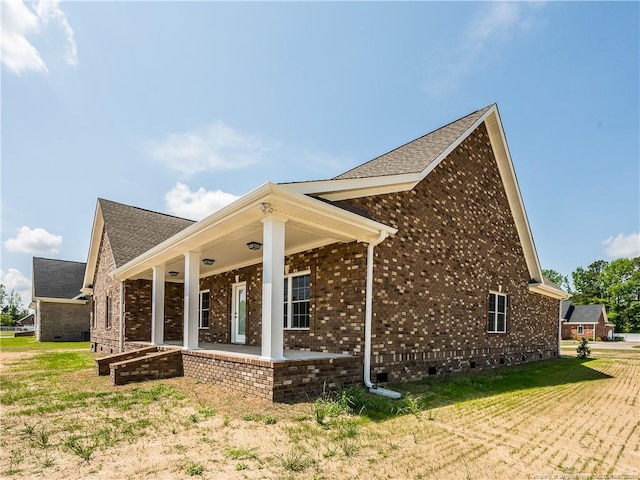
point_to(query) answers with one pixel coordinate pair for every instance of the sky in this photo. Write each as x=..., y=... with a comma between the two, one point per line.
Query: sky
x=181, y=107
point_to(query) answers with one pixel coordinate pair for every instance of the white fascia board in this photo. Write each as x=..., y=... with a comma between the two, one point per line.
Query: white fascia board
x=347, y=188
x=512, y=189
x=71, y=301
x=187, y=239
x=548, y=291
x=94, y=247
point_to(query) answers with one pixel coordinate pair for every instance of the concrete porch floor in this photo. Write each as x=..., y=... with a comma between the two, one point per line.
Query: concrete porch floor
x=248, y=351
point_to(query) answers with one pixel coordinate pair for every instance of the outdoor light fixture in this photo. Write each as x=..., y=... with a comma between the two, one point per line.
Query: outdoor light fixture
x=254, y=245
x=173, y=274
x=208, y=261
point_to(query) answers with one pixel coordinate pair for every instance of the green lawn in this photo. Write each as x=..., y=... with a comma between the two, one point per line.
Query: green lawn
x=23, y=344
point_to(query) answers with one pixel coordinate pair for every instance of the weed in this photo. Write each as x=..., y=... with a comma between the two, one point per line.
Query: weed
x=193, y=418
x=29, y=429
x=194, y=469
x=48, y=462
x=349, y=448
x=241, y=453
x=84, y=451
x=225, y=422
x=270, y=420
x=206, y=412
x=242, y=466
x=296, y=460
x=42, y=439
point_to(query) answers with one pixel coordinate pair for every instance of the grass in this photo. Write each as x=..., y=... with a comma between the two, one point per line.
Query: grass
x=24, y=344
x=54, y=407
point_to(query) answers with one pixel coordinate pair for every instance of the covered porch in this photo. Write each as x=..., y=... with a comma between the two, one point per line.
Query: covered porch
x=257, y=233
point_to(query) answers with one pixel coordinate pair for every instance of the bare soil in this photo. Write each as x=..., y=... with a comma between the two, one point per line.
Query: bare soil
x=574, y=429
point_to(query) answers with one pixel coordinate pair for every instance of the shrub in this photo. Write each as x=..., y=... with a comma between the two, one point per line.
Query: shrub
x=584, y=351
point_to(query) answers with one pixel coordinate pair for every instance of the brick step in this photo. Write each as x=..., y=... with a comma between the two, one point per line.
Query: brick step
x=103, y=363
x=150, y=366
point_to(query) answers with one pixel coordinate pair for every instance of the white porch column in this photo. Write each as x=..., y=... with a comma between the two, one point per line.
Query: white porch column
x=273, y=288
x=157, y=306
x=191, y=299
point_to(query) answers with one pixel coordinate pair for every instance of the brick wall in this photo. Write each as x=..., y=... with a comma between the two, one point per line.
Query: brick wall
x=456, y=241
x=289, y=381
x=165, y=364
x=63, y=322
x=103, y=338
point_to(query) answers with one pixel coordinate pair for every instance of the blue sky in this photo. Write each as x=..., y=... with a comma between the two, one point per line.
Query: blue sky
x=180, y=107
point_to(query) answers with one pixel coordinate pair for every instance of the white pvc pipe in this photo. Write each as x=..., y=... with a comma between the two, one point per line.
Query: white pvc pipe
x=367, y=322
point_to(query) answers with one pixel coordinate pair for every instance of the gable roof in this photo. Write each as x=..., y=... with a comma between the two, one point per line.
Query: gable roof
x=403, y=168
x=583, y=313
x=57, y=278
x=417, y=155
x=131, y=230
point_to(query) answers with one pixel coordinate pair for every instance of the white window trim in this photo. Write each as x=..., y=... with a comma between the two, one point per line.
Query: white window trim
x=200, y=327
x=580, y=327
x=288, y=277
x=506, y=307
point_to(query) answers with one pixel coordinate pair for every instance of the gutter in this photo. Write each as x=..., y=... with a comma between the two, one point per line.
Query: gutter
x=373, y=388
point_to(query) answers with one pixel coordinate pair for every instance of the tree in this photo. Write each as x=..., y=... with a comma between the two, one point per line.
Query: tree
x=584, y=351
x=11, y=309
x=556, y=277
x=588, y=284
x=615, y=284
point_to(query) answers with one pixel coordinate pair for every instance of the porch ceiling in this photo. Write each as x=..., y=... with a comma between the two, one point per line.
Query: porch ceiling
x=223, y=236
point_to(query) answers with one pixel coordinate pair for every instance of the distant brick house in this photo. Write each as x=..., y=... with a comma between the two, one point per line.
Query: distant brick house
x=61, y=310
x=585, y=321
x=416, y=263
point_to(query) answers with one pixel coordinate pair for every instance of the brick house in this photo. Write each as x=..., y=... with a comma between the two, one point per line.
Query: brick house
x=416, y=263
x=585, y=321
x=61, y=310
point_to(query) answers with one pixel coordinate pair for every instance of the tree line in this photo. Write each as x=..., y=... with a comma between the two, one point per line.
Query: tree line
x=11, y=308
x=614, y=284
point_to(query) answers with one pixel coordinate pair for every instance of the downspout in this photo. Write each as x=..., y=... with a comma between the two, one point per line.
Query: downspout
x=373, y=388
x=121, y=333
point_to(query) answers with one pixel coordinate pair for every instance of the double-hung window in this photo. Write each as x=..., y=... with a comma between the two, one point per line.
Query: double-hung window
x=203, y=316
x=497, y=313
x=580, y=330
x=297, y=295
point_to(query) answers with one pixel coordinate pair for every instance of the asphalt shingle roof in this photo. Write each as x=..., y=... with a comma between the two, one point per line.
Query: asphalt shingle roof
x=581, y=313
x=132, y=230
x=57, y=278
x=415, y=156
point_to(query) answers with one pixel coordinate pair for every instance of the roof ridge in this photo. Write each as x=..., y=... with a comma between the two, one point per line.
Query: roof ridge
x=59, y=260
x=415, y=140
x=144, y=209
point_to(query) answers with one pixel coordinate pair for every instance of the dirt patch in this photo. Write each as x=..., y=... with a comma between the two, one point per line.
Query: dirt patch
x=586, y=424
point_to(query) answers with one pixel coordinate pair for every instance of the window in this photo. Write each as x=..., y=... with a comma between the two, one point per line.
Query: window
x=94, y=320
x=580, y=330
x=108, y=312
x=297, y=294
x=203, y=317
x=497, y=313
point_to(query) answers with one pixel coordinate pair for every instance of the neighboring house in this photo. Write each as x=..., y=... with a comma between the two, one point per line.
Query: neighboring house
x=62, y=311
x=26, y=321
x=585, y=321
x=419, y=262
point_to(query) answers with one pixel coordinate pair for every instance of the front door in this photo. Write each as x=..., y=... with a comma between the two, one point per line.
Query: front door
x=239, y=313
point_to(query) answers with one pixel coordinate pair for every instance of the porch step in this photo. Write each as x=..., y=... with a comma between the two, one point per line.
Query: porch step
x=103, y=364
x=150, y=366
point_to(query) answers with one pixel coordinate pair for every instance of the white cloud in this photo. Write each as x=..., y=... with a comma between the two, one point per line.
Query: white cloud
x=19, y=21
x=212, y=147
x=622, y=245
x=486, y=34
x=15, y=280
x=37, y=240
x=181, y=201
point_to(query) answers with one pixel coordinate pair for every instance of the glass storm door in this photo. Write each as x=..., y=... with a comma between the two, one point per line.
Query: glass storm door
x=239, y=313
